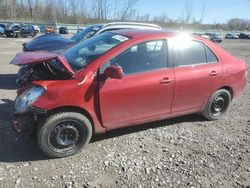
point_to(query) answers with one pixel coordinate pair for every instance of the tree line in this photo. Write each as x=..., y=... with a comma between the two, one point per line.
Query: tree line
x=93, y=11
x=67, y=11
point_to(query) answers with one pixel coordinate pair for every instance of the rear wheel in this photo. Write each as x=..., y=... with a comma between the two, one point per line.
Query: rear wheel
x=64, y=134
x=217, y=105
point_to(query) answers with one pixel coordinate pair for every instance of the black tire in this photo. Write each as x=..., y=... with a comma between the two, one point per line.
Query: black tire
x=33, y=34
x=64, y=134
x=217, y=105
x=18, y=35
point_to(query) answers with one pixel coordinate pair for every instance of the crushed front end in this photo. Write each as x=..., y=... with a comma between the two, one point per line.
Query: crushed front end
x=34, y=67
x=25, y=115
x=28, y=121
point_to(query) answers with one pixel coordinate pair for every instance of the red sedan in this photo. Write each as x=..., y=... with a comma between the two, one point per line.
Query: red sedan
x=119, y=79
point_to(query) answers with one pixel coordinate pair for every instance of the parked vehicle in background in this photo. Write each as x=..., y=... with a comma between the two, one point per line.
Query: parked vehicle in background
x=3, y=25
x=27, y=30
x=244, y=36
x=79, y=30
x=63, y=30
x=2, y=29
x=231, y=36
x=213, y=37
x=20, y=31
x=119, y=79
x=13, y=31
x=50, y=30
x=216, y=38
x=37, y=29
x=58, y=43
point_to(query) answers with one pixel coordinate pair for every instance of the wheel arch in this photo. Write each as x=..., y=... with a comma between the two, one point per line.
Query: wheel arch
x=230, y=89
x=74, y=109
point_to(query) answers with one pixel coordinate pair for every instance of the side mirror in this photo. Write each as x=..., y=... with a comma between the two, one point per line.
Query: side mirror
x=114, y=72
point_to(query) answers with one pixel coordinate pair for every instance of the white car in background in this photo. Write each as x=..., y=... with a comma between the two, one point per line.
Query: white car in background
x=57, y=43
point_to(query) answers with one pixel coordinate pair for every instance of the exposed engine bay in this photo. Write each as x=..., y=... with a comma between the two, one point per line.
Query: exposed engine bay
x=47, y=70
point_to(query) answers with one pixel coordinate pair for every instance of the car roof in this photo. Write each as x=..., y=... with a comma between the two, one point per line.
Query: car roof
x=131, y=24
x=132, y=33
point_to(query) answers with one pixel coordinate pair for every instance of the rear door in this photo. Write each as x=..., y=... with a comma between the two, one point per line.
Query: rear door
x=196, y=72
x=144, y=93
x=30, y=30
x=24, y=30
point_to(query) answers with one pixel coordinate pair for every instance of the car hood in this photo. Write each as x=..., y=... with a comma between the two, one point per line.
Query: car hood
x=49, y=42
x=10, y=30
x=29, y=58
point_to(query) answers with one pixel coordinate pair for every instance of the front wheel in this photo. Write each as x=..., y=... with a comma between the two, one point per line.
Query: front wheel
x=18, y=35
x=33, y=34
x=217, y=105
x=64, y=134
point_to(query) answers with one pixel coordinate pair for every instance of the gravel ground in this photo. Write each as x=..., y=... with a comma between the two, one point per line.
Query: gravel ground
x=181, y=152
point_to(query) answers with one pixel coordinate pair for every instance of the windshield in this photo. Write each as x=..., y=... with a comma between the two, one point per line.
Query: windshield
x=87, y=51
x=86, y=33
x=15, y=28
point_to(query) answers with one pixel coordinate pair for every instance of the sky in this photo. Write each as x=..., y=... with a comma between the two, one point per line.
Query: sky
x=217, y=11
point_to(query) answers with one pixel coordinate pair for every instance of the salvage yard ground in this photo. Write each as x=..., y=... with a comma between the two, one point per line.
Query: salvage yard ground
x=181, y=152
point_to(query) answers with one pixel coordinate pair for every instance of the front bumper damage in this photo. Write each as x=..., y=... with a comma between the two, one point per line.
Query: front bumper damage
x=27, y=122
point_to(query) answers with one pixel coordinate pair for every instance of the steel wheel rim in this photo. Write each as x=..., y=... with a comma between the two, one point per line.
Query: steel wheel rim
x=66, y=136
x=219, y=104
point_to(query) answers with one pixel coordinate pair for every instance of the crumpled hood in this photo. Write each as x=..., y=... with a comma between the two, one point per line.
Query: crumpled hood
x=49, y=42
x=28, y=58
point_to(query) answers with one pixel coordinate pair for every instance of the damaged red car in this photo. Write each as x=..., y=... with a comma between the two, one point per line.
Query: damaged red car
x=119, y=79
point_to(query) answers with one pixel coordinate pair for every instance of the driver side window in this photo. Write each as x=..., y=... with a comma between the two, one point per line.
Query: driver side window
x=142, y=57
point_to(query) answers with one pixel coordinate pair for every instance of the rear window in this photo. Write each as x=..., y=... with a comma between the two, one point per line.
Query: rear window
x=86, y=33
x=211, y=57
x=192, y=53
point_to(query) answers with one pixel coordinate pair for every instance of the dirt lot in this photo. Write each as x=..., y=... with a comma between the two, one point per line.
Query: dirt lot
x=181, y=152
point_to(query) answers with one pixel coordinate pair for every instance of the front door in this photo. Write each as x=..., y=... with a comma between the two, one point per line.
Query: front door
x=146, y=90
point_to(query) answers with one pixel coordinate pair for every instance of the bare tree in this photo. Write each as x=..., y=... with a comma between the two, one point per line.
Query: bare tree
x=83, y=8
x=11, y=8
x=203, y=12
x=33, y=6
x=115, y=9
x=238, y=24
x=187, y=12
x=3, y=6
x=129, y=4
x=8, y=8
x=62, y=11
x=74, y=10
x=163, y=18
x=99, y=9
x=145, y=17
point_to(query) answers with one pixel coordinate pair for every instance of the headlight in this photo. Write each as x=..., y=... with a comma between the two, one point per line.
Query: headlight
x=27, y=98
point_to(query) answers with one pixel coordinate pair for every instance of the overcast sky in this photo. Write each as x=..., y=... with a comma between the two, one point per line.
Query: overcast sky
x=216, y=10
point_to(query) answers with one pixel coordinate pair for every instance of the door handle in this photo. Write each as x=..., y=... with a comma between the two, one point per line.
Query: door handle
x=166, y=81
x=213, y=73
